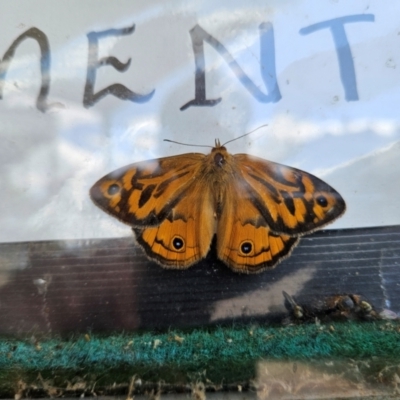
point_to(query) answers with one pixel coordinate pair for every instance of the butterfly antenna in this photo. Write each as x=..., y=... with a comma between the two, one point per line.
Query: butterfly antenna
x=246, y=134
x=186, y=144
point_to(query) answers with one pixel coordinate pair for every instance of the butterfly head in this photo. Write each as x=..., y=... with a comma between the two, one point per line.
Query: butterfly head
x=219, y=155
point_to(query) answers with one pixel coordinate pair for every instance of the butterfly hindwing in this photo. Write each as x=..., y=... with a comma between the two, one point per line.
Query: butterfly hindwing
x=244, y=240
x=184, y=236
x=292, y=201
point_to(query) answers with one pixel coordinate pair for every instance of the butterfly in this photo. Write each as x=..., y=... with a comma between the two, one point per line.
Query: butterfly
x=257, y=209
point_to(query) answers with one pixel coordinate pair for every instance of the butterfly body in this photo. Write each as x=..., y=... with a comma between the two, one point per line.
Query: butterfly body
x=257, y=209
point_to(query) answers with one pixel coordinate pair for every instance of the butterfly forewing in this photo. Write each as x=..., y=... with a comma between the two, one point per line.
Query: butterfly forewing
x=292, y=201
x=142, y=194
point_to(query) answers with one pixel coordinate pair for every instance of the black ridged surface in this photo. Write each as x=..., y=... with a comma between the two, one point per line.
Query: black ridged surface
x=108, y=285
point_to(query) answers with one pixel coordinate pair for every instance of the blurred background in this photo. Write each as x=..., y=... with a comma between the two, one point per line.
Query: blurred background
x=323, y=77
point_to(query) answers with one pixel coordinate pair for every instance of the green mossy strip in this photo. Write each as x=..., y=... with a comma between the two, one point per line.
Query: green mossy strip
x=223, y=354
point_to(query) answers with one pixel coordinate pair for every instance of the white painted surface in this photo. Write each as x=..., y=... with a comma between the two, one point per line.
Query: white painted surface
x=50, y=159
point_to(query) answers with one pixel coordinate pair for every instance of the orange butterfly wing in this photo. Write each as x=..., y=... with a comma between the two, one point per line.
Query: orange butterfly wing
x=292, y=201
x=167, y=204
x=266, y=208
x=245, y=242
x=142, y=194
x=185, y=235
